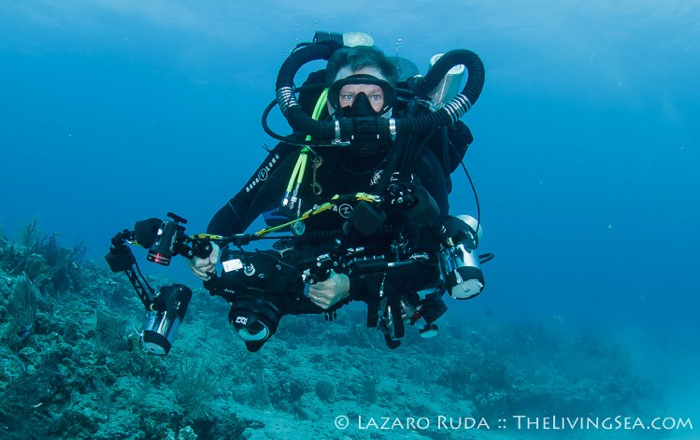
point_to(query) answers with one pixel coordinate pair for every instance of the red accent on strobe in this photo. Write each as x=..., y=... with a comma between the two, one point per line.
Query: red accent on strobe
x=159, y=259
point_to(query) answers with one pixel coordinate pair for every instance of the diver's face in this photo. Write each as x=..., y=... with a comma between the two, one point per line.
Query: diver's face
x=374, y=93
x=349, y=92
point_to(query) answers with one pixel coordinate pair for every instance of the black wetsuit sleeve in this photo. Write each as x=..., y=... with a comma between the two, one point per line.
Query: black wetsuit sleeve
x=261, y=193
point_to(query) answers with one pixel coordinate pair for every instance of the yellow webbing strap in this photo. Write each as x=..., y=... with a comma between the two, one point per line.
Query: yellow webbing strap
x=360, y=196
x=208, y=236
x=311, y=212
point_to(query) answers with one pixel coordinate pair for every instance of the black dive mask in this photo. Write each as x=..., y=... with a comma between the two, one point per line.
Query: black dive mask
x=368, y=81
x=366, y=122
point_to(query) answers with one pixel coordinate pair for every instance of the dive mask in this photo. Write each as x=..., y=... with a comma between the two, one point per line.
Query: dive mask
x=365, y=100
x=346, y=94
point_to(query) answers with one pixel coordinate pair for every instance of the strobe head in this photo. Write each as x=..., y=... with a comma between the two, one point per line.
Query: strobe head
x=163, y=249
x=461, y=272
x=168, y=312
x=429, y=331
x=459, y=264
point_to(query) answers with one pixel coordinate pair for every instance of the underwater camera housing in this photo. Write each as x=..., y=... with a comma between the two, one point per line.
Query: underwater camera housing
x=261, y=289
x=265, y=285
x=261, y=286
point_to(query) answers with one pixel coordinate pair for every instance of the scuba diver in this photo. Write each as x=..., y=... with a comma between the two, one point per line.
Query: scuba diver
x=361, y=82
x=361, y=187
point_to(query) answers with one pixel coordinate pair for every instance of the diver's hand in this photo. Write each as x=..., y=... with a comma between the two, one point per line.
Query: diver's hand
x=204, y=267
x=327, y=293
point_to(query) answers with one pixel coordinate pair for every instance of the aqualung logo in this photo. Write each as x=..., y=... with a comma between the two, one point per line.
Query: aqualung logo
x=263, y=173
x=241, y=320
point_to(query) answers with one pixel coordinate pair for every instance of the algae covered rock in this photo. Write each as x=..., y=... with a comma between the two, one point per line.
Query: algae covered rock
x=325, y=390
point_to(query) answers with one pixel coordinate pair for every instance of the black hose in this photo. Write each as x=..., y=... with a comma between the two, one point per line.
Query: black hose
x=476, y=200
x=417, y=126
x=295, y=61
x=291, y=140
x=265, y=125
x=298, y=120
x=459, y=105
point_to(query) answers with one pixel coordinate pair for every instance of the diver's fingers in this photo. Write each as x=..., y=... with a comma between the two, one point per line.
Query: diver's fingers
x=204, y=275
x=201, y=263
x=323, y=286
x=314, y=295
x=320, y=294
x=320, y=291
x=322, y=302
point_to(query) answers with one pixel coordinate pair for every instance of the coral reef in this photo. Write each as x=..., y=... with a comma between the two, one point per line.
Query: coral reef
x=71, y=366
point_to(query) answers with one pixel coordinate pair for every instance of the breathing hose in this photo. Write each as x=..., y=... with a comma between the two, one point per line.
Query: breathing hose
x=417, y=126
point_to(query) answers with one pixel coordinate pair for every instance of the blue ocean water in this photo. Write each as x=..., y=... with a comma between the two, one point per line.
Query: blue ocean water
x=585, y=156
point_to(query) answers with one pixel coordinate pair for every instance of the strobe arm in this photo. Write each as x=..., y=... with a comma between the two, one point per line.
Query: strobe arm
x=121, y=259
